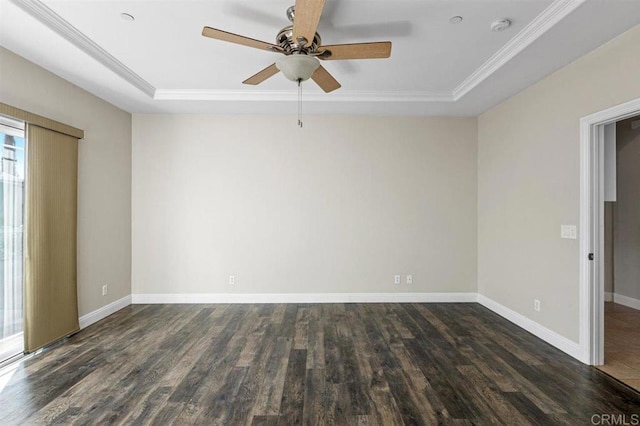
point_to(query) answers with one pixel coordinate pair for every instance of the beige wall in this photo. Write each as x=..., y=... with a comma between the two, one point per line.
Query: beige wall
x=627, y=211
x=104, y=173
x=529, y=183
x=340, y=206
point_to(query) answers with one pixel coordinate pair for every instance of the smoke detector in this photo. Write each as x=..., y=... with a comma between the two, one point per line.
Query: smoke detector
x=500, y=25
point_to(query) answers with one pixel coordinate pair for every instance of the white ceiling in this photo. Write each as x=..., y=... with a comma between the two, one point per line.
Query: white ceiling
x=161, y=63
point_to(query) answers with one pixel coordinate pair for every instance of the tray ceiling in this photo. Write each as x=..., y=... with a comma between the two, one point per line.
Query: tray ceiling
x=160, y=62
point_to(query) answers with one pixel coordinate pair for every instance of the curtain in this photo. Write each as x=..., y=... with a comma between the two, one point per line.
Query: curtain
x=50, y=291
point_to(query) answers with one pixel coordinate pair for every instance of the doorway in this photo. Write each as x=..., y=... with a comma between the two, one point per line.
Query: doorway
x=592, y=226
x=621, y=254
x=12, y=180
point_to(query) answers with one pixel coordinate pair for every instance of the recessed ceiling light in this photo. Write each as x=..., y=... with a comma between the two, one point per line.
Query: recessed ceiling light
x=127, y=17
x=455, y=20
x=500, y=25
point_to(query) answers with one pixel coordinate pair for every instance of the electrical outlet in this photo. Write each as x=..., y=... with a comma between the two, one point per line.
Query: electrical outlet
x=232, y=279
x=536, y=305
x=105, y=290
x=396, y=279
x=409, y=279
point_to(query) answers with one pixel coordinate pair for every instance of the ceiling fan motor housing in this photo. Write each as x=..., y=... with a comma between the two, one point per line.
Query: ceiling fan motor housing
x=289, y=45
x=301, y=55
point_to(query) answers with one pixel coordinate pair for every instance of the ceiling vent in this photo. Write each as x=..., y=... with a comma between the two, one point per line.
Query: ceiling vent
x=500, y=25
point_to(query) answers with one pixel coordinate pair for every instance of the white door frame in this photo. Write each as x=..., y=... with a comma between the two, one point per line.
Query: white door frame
x=592, y=227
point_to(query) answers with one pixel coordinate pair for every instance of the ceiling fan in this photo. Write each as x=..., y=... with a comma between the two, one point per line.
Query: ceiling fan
x=301, y=46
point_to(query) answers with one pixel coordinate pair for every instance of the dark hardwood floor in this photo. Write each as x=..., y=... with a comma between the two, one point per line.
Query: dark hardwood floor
x=349, y=364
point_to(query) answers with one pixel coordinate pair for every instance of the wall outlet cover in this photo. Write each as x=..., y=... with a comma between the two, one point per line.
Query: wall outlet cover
x=569, y=232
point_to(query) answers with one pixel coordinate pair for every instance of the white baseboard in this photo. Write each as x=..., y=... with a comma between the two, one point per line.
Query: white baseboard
x=608, y=296
x=626, y=301
x=565, y=345
x=105, y=311
x=306, y=298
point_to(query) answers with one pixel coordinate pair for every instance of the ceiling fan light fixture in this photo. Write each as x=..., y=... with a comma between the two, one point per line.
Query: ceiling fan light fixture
x=298, y=67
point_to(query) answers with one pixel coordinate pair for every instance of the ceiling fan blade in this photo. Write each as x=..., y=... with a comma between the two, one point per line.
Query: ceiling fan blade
x=307, y=17
x=238, y=39
x=380, y=49
x=261, y=76
x=325, y=80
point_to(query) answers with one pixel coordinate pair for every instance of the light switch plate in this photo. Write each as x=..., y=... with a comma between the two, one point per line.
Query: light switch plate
x=569, y=231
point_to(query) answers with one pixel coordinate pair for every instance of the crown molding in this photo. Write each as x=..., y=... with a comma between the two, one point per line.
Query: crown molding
x=542, y=23
x=56, y=23
x=553, y=14
x=291, y=96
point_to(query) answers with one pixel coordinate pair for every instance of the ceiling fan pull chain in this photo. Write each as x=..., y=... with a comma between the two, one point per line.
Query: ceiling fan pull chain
x=300, y=103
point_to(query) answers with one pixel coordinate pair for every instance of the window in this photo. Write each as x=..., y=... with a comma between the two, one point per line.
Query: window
x=12, y=173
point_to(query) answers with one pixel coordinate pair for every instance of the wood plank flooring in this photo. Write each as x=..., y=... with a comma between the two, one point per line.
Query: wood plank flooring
x=351, y=364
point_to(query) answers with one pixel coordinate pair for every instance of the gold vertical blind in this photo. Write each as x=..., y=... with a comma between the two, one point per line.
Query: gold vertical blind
x=50, y=292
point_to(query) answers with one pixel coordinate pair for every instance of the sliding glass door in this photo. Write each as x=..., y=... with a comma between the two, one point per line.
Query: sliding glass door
x=12, y=172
